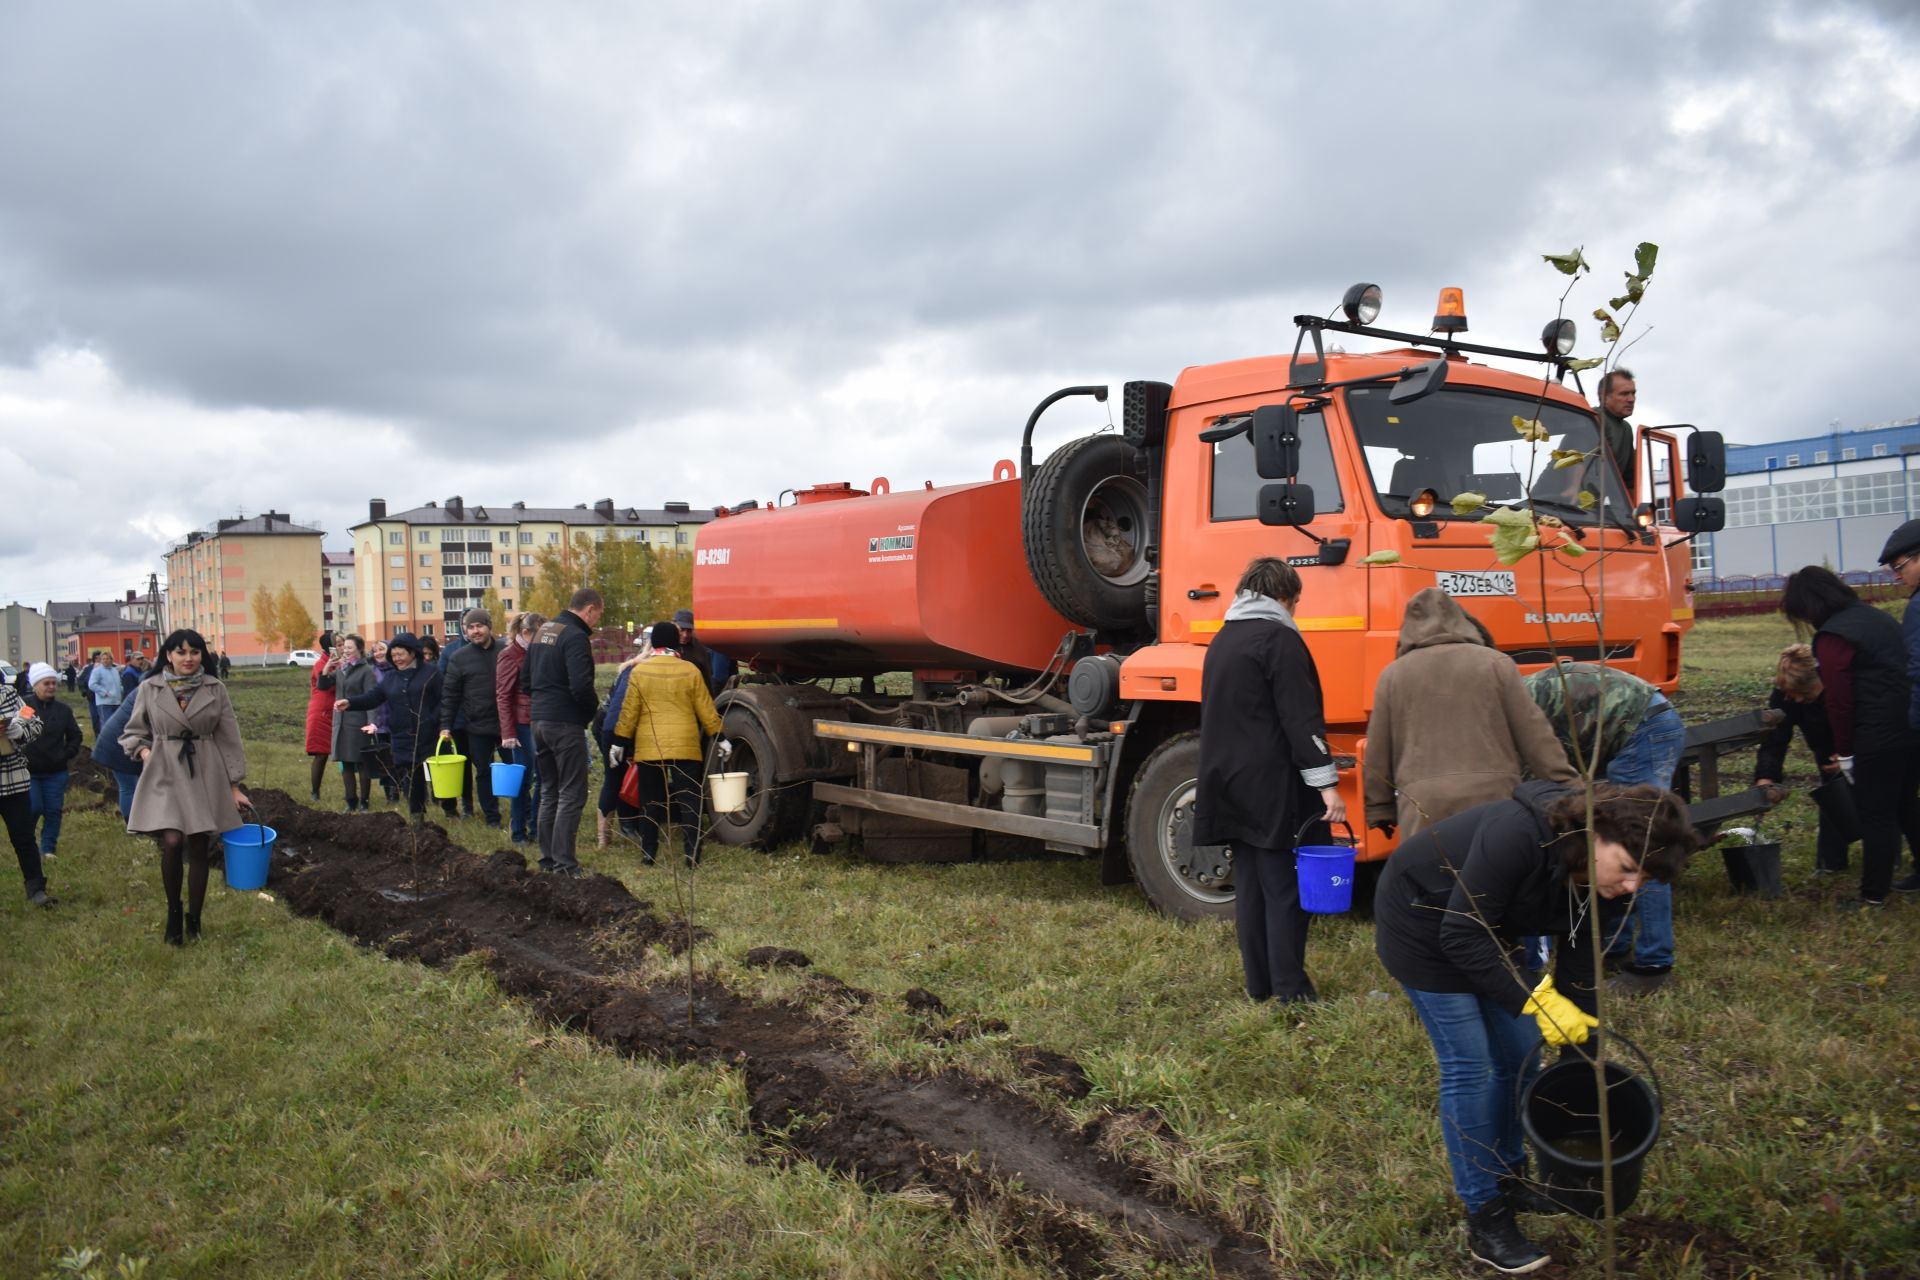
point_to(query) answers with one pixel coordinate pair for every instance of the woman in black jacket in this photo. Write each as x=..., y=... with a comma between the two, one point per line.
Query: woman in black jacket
x=1801, y=701
x=411, y=693
x=49, y=759
x=1863, y=664
x=1265, y=772
x=1450, y=913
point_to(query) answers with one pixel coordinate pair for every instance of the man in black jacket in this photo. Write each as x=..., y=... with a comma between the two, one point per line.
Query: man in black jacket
x=558, y=676
x=468, y=708
x=1265, y=772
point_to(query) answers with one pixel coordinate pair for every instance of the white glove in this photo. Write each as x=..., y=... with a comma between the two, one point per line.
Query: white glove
x=1846, y=766
x=725, y=749
x=618, y=755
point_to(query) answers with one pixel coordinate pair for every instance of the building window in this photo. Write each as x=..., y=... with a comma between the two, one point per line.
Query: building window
x=396, y=539
x=1793, y=459
x=527, y=560
x=553, y=539
x=506, y=557
x=1846, y=455
x=506, y=538
x=398, y=584
x=426, y=629
x=1772, y=463
x=525, y=539
x=641, y=536
x=396, y=562
x=453, y=535
x=681, y=538
x=453, y=557
x=399, y=608
x=1819, y=455
x=1703, y=556
x=1879, y=451
x=506, y=604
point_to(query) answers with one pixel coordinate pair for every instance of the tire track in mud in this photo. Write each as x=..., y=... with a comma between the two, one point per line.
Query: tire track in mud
x=570, y=947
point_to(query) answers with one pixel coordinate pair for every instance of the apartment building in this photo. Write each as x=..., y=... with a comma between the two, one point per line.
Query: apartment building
x=336, y=590
x=418, y=570
x=29, y=636
x=212, y=575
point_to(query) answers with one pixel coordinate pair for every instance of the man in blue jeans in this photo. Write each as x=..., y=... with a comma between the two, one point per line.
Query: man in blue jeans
x=1627, y=732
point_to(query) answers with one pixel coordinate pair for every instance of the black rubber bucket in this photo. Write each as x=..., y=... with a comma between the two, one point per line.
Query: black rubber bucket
x=1754, y=868
x=1561, y=1117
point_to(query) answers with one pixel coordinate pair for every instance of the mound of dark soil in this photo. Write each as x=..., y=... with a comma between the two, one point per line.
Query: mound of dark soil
x=572, y=948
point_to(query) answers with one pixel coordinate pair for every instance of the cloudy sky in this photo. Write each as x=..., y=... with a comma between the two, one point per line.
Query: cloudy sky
x=294, y=256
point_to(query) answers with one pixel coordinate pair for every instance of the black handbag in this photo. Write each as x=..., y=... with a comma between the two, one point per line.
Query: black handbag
x=1834, y=796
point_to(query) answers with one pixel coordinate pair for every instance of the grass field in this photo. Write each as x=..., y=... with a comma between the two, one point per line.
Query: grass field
x=280, y=1102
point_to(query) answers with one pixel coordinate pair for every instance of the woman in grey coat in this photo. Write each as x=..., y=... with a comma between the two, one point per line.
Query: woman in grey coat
x=183, y=731
x=352, y=744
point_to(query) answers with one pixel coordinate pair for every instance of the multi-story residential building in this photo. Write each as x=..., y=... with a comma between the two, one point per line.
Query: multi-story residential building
x=212, y=575
x=336, y=590
x=419, y=570
x=28, y=636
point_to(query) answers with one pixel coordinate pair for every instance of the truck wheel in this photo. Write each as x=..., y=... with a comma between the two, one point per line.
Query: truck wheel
x=1084, y=521
x=774, y=814
x=1184, y=881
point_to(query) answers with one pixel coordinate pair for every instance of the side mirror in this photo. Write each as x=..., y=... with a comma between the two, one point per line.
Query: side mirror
x=1276, y=442
x=1699, y=515
x=1286, y=504
x=1424, y=380
x=1706, y=462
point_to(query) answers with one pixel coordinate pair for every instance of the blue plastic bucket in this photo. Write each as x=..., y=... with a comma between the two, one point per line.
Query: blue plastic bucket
x=508, y=779
x=248, y=850
x=1325, y=872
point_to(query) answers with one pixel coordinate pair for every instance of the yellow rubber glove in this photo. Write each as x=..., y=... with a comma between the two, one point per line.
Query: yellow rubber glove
x=1561, y=1021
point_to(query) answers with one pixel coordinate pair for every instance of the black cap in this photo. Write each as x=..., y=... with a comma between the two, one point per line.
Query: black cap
x=1904, y=541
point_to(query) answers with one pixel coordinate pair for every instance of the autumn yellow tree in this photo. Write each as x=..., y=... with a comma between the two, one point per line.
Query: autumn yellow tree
x=266, y=616
x=296, y=625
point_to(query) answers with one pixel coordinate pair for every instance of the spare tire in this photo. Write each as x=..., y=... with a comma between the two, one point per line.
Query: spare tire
x=1084, y=521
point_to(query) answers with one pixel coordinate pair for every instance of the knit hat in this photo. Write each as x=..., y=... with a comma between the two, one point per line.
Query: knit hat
x=683, y=617
x=1904, y=541
x=407, y=641
x=40, y=671
x=476, y=615
x=665, y=636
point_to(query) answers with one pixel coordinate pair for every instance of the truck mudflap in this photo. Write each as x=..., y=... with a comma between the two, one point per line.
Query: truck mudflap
x=1070, y=818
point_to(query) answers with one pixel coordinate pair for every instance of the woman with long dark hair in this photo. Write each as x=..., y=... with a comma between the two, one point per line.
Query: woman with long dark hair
x=1863, y=667
x=1454, y=911
x=320, y=699
x=183, y=731
x=351, y=743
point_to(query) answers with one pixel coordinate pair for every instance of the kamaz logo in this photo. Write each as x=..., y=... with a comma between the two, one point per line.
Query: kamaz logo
x=713, y=555
x=1557, y=619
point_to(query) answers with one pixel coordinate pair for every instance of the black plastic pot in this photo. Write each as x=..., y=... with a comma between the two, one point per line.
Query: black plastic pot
x=1753, y=868
x=1560, y=1114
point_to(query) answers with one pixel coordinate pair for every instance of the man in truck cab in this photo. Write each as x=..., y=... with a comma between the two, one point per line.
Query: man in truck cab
x=1617, y=394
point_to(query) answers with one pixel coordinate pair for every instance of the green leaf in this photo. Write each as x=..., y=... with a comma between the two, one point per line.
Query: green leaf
x=1508, y=516
x=1586, y=500
x=1564, y=458
x=1511, y=544
x=1619, y=302
x=1381, y=557
x=1609, y=332
x=1636, y=285
x=1602, y=315
x=1567, y=264
x=1529, y=428
x=1573, y=549
x=1584, y=364
x=1643, y=257
x=1465, y=504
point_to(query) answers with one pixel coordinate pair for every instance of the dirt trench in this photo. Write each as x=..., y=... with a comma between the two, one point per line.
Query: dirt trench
x=572, y=947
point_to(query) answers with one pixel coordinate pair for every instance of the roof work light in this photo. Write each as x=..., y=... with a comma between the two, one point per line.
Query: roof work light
x=1361, y=303
x=1450, y=314
x=1558, y=337
x=1423, y=504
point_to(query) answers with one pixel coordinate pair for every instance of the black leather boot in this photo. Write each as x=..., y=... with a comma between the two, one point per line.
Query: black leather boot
x=193, y=927
x=173, y=934
x=1494, y=1238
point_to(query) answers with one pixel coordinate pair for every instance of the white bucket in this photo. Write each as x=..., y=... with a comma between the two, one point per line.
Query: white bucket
x=729, y=791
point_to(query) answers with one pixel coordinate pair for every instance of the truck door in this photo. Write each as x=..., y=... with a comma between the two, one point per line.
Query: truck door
x=1219, y=532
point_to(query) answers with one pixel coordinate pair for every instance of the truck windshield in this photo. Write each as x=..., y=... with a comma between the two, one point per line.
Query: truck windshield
x=1462, y=440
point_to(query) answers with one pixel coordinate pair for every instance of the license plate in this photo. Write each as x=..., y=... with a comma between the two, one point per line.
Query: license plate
x=1493, y=582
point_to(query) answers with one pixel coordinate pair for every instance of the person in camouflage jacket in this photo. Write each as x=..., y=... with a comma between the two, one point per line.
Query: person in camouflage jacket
x=1624, y=730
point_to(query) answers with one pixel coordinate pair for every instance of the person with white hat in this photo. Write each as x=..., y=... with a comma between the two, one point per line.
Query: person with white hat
x=51, y=756
x=20, y=727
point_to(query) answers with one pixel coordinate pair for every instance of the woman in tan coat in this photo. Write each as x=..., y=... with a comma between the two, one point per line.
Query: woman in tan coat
x=1453, y=725
x=183, y=731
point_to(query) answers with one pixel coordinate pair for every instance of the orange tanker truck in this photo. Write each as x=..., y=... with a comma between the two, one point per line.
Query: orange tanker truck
x=938, y=671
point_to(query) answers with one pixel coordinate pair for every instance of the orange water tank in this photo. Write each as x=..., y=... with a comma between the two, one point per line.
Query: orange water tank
x=847, y=583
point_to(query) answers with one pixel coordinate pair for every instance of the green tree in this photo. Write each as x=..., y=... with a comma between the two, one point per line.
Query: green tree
x=491, y=603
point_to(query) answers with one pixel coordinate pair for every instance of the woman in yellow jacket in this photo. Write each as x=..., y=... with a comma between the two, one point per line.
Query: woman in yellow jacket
x=666, y=708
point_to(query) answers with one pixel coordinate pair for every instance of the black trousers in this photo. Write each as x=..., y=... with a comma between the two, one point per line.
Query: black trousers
x=669, y=793
x=1886, y=791
x=480, y=749
x=17, y=812
x=1271, y=923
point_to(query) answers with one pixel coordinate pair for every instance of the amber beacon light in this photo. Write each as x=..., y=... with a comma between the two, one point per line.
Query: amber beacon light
x=1450, y=314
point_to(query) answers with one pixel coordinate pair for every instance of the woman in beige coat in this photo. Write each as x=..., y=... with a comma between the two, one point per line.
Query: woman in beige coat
x=183, y=730
x=1453, y=725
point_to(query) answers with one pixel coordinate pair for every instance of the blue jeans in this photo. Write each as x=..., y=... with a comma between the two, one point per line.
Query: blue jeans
x=520, y=813
x=126, y=782
x=49, y=794
x=1481, y=1049
x=1650, y=756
